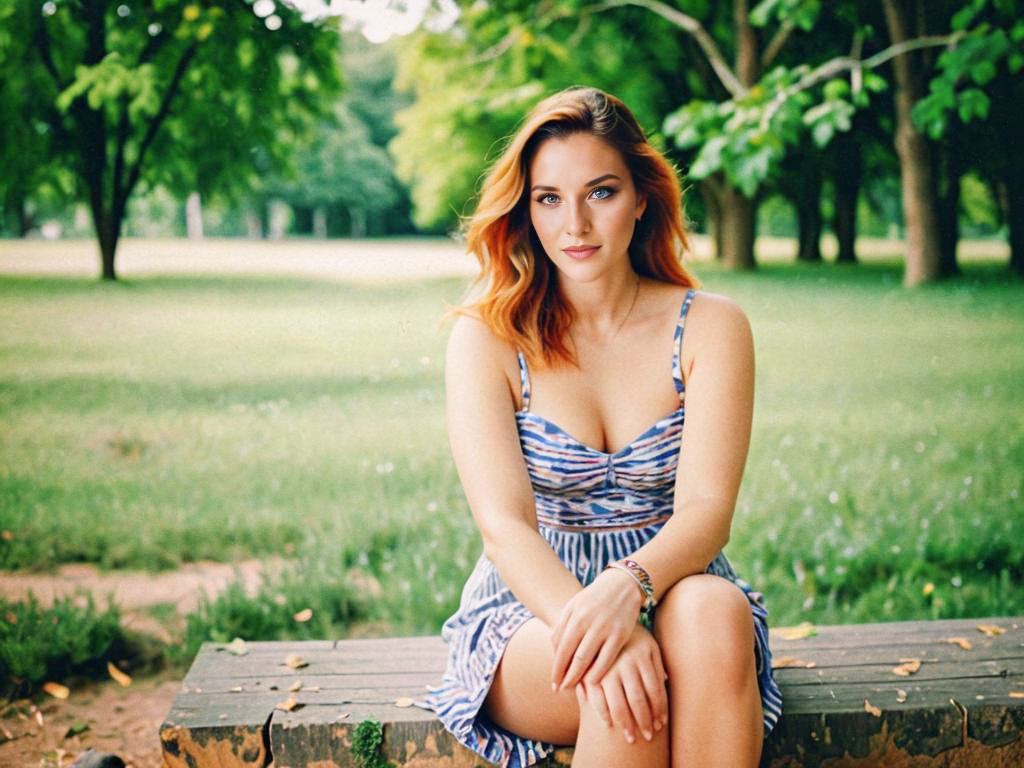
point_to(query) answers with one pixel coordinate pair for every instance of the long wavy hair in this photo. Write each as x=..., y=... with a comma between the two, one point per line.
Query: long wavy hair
x=516, y=293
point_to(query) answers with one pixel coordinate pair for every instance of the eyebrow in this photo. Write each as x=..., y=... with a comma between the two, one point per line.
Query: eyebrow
x=590, y=183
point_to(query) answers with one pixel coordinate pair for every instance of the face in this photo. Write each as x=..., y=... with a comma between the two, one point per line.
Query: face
x=583, y=205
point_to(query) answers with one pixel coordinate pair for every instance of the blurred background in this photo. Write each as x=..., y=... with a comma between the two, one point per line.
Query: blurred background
x=230, y=233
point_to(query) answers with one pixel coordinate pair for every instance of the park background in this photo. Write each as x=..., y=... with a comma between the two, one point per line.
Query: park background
x=230, y=234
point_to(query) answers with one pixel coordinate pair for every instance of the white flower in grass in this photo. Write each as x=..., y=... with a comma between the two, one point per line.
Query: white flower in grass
x=833, y=497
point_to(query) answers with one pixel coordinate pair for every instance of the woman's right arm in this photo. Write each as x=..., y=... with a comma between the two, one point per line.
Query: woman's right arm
x=489, y=459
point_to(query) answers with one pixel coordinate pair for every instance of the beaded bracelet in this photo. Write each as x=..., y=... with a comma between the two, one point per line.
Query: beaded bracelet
x=642, y=579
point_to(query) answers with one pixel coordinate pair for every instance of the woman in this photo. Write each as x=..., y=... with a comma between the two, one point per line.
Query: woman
x=602, y=612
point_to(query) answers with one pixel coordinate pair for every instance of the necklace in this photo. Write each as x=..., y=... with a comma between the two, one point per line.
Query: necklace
x=632, y=304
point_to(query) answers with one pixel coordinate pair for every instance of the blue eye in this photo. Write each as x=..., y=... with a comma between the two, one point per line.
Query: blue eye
x=607, y=190
x=544, y=197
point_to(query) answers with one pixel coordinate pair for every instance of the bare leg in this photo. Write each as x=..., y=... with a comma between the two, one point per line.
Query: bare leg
x=521, y=701
x=706, y=633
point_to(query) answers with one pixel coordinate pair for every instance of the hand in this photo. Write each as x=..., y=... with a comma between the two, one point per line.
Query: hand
x=631, y=696
x=593, y=627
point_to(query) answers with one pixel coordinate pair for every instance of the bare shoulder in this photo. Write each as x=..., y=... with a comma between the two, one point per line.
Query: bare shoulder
x=718, y=331
x=478, y=357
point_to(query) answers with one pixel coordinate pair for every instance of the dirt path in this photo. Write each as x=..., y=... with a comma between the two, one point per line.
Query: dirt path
x=124, y=721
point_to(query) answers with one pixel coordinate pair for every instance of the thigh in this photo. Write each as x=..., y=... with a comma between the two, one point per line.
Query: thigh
x=521, y=699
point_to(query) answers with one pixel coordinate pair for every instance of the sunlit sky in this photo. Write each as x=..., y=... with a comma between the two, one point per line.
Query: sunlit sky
x=378, y=20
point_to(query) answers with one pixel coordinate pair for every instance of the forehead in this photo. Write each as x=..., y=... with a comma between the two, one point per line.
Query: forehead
x=575, y=159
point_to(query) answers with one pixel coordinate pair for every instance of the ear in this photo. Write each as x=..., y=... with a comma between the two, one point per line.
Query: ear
x=641, y=206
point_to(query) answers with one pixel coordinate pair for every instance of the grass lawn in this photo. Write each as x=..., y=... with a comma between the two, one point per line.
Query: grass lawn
x=169, y=419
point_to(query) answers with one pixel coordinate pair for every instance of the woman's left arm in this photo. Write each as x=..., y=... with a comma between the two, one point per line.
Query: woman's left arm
x=719, y=392
x=716, y=437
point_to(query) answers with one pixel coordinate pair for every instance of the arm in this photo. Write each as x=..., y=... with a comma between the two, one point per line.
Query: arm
x=489, y=459
x=716, y=435
x=716, y=438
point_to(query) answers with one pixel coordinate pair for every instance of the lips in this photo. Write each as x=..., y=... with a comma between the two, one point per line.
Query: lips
x=580, y=251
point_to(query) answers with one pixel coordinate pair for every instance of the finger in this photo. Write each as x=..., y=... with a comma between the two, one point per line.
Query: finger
x=579, y=663
x=559, y=626
x=639, y=706
x=605, y=658
x=659, y=666
x=596, y=699
x=568, y=643
x=654, y=687
x=618, y=707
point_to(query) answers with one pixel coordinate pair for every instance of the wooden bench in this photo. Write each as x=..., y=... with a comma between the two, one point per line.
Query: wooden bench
x=963, y=706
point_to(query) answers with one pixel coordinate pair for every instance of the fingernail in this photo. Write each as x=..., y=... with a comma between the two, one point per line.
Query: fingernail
x=629, y=737
x=554, y=687
x=657, y=725
x=648, y=735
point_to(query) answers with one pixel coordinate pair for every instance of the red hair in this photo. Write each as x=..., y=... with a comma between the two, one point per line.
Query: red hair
x=517, y=293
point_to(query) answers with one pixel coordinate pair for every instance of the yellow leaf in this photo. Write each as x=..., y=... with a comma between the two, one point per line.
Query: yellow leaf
x=304, y=615
x=404, y=701
x=204, y=31
x=901, y=695
x=928, y=589
x=296, y=686
x=991, y=630
x=237, y=647
x=122, y=679
x=288, y=704
x=295, y=661
x=788, y=661
x=907, y=668
x=1017, y=694
x=963, y=642
x=57, y=690
x=799, y=632
x=190, y=13
x=871, y=709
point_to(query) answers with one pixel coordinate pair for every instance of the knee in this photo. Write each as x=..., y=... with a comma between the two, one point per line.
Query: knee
x=704, y=622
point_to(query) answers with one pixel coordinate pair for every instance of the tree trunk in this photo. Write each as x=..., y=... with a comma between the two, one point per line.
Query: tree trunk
x=320, y=222
x=847, y=186
x=948, y=171
x=737, y=229
x=923, y=260
x=194, y=216
x=709, y=195
x=358, y=215
x=808, y=212
x=1015, y=221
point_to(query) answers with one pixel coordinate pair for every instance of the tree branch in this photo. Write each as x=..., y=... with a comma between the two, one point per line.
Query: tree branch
x=776, y=43
x=692, y=26
x=843, y=63
x=160, y=116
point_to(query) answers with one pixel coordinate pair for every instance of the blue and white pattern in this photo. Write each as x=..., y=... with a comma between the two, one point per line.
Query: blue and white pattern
x=592, y=508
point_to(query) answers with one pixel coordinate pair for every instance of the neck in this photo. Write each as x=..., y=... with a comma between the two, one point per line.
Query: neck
x=601, y=307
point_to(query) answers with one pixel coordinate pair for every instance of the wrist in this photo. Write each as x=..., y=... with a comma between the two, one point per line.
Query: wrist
x=641, y=578
x=626, y=588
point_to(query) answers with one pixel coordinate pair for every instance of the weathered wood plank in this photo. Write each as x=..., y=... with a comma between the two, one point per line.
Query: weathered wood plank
x=957, y=712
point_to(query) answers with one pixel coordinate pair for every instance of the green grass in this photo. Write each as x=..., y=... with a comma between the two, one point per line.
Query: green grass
x=172, y=419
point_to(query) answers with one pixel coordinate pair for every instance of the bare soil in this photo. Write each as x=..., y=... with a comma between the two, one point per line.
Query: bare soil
x=122, y=720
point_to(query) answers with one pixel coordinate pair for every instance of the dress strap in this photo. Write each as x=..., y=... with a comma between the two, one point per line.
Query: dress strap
x=524, y=380
x=677, y=344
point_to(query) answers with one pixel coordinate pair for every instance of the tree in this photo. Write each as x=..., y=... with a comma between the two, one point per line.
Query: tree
x=148, y=92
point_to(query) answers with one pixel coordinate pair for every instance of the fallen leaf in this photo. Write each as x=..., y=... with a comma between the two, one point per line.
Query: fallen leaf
x=6, y=732
x=287, y=705
x=403, y=701
x=799, y=632
x=344, y=716
x=991, y=630
x=76, y=728
x=788, y=661
x=304, y=615
x=871, y=709
x=313, y=689
x=222, y=716
x=295, y=662
x=8, y=536
x=963, y=642
x=39, y=718
x=1017, y=694
x=927, y=589
x=123, y=680
x=57, y=690
x=12, y=618
x=907, y=668
x=236, y=689
x=296, y=686
x=237, y=647
x=901, y=695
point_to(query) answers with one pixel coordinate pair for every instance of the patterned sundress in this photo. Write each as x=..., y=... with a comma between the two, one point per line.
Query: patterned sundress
x=592, y=508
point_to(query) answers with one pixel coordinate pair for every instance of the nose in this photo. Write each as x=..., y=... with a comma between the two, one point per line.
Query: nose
x=578, y=222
